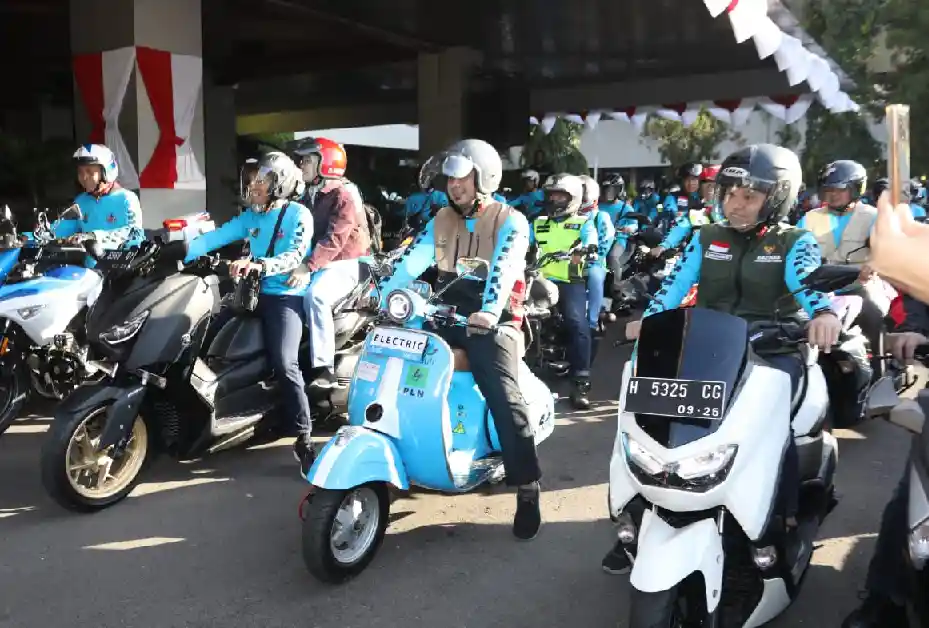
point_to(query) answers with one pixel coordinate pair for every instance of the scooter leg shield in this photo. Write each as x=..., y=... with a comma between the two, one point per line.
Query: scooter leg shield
x=665, y=556
x=356, y=456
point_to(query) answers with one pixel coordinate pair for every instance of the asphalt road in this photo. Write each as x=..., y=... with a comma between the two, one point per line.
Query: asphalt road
x=216, y=543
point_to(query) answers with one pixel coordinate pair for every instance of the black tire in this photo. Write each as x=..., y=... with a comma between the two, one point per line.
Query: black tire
x=55, y=476
x=321, y=510
x=17, y=385
x=652, y=610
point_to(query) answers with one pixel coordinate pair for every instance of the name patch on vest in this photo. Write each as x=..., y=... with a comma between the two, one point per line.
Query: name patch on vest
x=770, y=255
x=573, y=226
x=718, y=251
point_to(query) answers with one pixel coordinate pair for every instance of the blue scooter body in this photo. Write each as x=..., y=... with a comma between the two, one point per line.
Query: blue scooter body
x=413, y=420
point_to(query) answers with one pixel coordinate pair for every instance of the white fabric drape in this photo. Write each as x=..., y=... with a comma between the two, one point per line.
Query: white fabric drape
x=118, y=66
x=187, y=83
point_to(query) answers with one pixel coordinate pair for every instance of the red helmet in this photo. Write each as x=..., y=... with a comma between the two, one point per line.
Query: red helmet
x=709, y=173
x=332, y=158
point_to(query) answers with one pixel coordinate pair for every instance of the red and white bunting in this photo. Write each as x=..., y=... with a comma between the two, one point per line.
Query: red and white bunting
x=749, y=20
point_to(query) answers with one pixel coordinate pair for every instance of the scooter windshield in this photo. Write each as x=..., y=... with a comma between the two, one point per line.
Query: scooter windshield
x=689, y=363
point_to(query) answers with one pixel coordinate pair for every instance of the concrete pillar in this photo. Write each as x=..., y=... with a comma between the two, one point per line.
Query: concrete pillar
x=442, y=87
x=126, y=32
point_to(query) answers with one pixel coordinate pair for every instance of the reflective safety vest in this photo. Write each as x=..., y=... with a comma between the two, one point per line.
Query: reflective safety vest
x=554, y=236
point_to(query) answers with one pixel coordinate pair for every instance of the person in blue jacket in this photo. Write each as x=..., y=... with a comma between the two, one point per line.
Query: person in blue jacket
x=278, y=232
x=422, y=205
x=472, y=170
x=917, y=200
x=530, y=201
x=613, y=202
x=648, y=202
x=691, y=203
x=112, y=215
x=596, y=270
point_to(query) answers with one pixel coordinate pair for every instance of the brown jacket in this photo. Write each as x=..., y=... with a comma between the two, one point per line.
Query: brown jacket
x=340, y=229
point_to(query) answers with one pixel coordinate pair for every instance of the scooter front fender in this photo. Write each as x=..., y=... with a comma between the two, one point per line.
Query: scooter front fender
x=355, y=456
x=666, y=555
x=124, y=403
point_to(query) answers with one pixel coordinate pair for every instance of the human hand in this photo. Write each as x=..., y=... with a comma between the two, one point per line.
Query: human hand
x=481, y=323
x=655, y=252
x=242, y=267
x=903, y=345
x=299, y=276
x=823, y=331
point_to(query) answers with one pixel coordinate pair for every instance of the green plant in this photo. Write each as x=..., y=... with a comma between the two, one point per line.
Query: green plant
x=679, y=144
x=557, y=151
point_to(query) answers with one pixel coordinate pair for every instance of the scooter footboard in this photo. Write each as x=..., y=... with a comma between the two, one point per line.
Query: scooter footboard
x=355, y=456
x=666, y=555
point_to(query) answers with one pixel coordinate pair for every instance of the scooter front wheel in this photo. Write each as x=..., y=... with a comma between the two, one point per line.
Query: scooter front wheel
x=655, y=610
x=343, y=529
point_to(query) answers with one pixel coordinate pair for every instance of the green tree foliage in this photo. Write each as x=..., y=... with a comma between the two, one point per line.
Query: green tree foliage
x=679, y=144
x=907, y=29
x=557, y=151
x=847, y=30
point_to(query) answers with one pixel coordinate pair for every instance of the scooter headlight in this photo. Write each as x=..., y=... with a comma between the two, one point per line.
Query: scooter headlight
x=638, y=455
x=399, y=306
x=919, y=544
x=122, y=332
x=706, y=463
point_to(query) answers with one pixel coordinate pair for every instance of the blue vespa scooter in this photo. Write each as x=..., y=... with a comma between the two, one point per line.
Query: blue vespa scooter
x=416, y=418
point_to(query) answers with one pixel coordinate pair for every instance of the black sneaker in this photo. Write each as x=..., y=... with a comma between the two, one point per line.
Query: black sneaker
x=324, y=378
x=305, y=455
x=877, y=611
x=616, y=562
x=579, y=398
x=528, y=517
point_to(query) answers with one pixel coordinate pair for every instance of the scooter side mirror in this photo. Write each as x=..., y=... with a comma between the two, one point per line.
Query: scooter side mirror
x=909, y=416
x=831, y=277
x=471, y=266
x=882, y=399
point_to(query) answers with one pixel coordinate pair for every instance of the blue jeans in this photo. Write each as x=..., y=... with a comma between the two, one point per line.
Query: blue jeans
x=596, y=278
x=327, y=287
x=572, y=300
x=281, y=329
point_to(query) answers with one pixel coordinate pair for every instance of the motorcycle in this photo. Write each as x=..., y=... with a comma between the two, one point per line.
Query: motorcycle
x=44, y=298
x=164, y=389
x=695, y=470
x=406, y=374
x=911, y=415
x=544, y=329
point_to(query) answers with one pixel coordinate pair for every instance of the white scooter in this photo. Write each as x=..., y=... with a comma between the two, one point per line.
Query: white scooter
x=695, y=473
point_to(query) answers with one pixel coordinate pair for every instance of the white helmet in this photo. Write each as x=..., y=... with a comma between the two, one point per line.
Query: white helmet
x=98, y=155
x=532, y=175
x=591, y=192
x=571, y=185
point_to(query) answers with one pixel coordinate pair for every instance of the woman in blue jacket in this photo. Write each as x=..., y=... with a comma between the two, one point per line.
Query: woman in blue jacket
x=279, y=232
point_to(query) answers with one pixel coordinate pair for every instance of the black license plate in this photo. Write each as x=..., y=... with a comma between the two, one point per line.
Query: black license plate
x=117, y=259
x=678, y=398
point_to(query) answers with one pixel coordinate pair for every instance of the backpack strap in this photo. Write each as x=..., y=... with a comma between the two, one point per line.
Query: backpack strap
x=277, y=227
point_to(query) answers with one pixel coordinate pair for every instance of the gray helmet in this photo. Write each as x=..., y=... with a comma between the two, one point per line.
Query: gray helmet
x=571, y=185
x=282, y=174
x=591, y=192
x=478, y=156
x=772, y=170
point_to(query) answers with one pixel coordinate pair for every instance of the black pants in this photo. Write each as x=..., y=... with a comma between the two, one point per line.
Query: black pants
x=282, y=319
x=793, y=365
x=494, y=362
x=888, y=568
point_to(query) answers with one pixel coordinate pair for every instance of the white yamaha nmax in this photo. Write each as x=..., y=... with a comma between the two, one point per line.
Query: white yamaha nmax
x=696, y=469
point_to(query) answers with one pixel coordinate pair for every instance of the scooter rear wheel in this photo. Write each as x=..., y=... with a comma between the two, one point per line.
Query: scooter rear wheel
x=343, y=530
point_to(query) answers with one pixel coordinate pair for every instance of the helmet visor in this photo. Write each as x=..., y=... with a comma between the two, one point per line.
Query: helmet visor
x=457, y=166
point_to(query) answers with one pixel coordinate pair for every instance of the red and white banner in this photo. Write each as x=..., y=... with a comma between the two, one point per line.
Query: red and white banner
x=102, y=80
x=173, y=83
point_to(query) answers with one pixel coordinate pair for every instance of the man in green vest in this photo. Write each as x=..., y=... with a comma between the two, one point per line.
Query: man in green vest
x=748, y=265
x=560, y=229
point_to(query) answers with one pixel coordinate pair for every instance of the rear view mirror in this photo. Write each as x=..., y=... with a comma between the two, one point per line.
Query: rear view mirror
x=470, y=265
x=882, y=398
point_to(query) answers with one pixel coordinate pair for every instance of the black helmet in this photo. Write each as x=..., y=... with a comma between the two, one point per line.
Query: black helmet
x=844, y=174
x=647, y=187
x=772, y=170
x=879, y=187
x=613, y=188
x=689, y=170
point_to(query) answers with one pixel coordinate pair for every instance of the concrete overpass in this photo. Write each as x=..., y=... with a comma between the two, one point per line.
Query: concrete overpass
x=171, y=82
